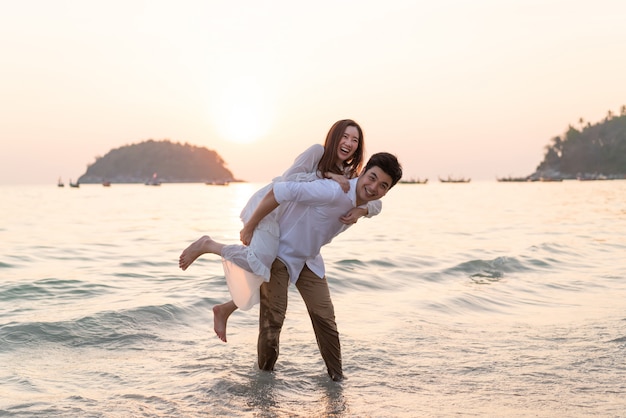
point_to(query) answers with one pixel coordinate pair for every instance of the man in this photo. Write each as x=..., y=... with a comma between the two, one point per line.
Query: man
x=311, y=219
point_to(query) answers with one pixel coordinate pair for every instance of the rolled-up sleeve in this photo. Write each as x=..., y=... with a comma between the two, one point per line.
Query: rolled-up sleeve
x=374, y=207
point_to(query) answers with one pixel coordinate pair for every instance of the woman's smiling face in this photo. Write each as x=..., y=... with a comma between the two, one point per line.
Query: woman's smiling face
x=348, y=144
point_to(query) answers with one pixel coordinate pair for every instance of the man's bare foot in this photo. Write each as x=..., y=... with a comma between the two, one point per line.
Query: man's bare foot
x=221, y=313
x=202, y=245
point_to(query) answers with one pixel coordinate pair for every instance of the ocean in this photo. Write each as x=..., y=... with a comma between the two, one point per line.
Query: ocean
x=478, y=299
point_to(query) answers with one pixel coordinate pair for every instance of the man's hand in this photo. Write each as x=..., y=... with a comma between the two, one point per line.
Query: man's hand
x=353, y=215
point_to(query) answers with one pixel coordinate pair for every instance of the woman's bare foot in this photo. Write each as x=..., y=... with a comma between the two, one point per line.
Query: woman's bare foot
x=202, y=245
x=220, y=318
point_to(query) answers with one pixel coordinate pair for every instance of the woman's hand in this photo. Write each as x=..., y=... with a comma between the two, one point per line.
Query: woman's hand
x=353, y=215
x=245, y=235
x=342, y=180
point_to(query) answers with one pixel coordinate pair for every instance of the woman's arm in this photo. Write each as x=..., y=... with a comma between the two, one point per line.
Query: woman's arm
x=304, y=167
x=266, y=205
x=342, y=180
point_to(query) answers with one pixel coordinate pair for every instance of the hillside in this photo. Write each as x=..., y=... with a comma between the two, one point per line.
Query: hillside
x=588, y=152
x=172, y=163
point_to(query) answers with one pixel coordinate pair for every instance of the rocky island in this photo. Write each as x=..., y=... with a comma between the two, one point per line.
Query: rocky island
x=162, y=161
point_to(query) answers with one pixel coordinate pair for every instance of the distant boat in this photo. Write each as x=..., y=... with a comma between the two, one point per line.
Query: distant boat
x=454, y=180
x=154, y=181
x=106, y=183
x=588, y=177
x=60, y=183
x=414, y=181
x=217, y=183
x=75, y=185
x=512, y=179
x=550, y=179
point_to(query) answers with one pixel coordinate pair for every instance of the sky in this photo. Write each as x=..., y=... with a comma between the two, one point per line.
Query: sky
x=472, y=88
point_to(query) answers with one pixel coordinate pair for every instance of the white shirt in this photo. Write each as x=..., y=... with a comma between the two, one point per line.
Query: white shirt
x=310, y=220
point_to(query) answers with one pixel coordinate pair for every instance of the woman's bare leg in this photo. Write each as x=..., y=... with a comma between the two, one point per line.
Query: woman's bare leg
x=202, y=245
x=220, y=318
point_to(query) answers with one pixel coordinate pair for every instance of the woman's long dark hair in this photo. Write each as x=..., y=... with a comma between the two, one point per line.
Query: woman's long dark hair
x=352, y=166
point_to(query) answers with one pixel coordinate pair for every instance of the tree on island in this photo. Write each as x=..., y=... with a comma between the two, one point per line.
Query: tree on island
x=172, y=162
x=594, y=149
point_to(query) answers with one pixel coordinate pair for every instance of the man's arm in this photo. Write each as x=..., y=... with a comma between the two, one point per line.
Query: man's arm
x=267, y=205
x=353, y=215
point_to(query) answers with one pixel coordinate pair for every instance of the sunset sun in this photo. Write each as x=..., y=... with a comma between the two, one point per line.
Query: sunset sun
x=241, y=112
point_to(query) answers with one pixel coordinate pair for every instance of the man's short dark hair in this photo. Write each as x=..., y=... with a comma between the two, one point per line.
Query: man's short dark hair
x=388, y=163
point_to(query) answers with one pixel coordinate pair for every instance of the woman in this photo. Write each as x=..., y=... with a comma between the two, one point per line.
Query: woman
x=247, y=266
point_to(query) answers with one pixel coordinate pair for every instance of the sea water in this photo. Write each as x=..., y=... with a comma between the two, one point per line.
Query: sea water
x=478, y=299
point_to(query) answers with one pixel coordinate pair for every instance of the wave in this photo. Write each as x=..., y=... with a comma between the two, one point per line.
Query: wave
x=547, y=275
x=487, y=270
x=392, y=274
x=131, y=329
x=52, y=288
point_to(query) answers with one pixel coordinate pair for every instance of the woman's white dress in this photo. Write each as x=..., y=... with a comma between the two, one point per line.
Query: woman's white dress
x=247, y=267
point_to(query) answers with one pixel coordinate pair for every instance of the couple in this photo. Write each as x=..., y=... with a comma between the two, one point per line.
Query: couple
x=288, y=227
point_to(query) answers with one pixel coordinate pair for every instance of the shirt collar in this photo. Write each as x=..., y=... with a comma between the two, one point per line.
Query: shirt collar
x=352, y=191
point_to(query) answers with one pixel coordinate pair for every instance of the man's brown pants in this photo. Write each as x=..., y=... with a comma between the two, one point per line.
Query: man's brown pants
x=316, y=296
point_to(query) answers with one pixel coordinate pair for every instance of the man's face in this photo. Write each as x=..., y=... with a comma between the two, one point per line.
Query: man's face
x=372, y=185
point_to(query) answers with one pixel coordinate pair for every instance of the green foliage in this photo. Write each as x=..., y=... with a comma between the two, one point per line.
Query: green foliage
x=599, y=148
x=172, y=162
